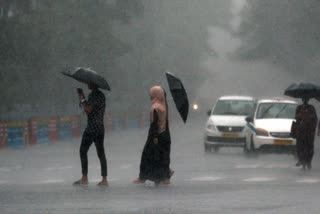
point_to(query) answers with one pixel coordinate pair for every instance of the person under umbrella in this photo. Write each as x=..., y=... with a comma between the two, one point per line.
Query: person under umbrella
x=305, y=128
x=94, y=107
x=155, y=159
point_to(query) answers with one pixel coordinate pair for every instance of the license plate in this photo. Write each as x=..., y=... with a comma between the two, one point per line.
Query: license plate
x=282, y=142
x=230, y=135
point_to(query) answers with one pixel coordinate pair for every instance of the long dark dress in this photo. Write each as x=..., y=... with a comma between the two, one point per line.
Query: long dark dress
x=306, y=120
x=155, y=159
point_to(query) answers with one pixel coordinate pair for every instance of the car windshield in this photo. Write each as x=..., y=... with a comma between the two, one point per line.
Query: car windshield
x=276, y=110
x=233, y=107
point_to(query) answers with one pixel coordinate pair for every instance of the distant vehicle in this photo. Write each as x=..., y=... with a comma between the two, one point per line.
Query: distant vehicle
x=270, y=126
x=226, y=122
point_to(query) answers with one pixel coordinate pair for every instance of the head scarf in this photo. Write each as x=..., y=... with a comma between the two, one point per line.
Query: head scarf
x=158, y=99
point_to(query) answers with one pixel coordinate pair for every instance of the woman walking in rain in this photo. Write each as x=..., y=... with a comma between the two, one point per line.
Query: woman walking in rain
x=155, y=159
x=306, y=124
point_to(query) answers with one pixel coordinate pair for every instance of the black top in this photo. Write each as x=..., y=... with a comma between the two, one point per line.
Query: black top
x=95, y=119
x=154, y=127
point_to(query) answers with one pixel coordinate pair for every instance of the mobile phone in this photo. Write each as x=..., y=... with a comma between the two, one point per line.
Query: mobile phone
x=79, y=90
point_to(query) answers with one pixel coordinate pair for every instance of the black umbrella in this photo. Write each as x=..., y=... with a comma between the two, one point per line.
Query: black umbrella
x=87, y=75
x=303, y=90
x=179, y=95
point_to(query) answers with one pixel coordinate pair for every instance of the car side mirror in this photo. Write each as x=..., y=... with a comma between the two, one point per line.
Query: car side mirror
x=209, y=112
x=249, y=119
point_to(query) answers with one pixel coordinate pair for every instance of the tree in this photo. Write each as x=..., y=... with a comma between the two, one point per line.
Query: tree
x=285, y=32
x=37, y=44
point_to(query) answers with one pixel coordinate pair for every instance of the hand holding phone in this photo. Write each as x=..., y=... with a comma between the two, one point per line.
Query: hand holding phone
x=80, y=93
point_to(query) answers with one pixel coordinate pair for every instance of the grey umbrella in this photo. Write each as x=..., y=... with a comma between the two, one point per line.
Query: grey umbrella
x=87, y=75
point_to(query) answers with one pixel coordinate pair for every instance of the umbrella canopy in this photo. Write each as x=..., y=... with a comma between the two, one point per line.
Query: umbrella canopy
x=179, y=95
x=303, y=90
x=87, y=75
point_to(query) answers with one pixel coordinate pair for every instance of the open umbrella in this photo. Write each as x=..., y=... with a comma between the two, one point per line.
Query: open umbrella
x=87, y=75
x=303, y=90
x=179, y=95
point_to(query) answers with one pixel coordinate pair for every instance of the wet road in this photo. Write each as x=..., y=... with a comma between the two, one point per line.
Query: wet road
x=38, y=180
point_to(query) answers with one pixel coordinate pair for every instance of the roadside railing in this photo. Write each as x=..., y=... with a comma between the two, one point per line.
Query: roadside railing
x=20, y=134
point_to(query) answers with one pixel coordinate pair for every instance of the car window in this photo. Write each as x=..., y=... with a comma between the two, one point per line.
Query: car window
x=233, y=107
x=276, y=110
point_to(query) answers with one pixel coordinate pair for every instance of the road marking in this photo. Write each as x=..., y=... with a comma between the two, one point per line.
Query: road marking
x=98, y=180
x=279, y=166
x=5, y=169
x=51, y=181
x=309, y=180
x=205, y=178
x=4, y=182
x=259, y=179
x=8, y=169
x=269, y=166
x=58, y=168
x=247, y=166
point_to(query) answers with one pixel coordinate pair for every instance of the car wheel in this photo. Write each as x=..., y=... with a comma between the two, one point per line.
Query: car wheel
x=215, y=149
x=206, y=148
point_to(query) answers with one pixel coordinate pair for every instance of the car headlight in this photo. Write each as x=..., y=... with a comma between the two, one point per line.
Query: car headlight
x=195, y=107
x=211, y=127
x=262, y=132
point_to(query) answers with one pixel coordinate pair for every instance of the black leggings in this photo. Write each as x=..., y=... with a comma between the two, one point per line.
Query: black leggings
x=87, y=140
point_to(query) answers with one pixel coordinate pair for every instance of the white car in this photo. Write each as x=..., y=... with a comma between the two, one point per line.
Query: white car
x=270, y=126
x=226, y=122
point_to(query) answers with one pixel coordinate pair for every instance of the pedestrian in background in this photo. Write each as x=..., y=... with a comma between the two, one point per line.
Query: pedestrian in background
x=304, y=131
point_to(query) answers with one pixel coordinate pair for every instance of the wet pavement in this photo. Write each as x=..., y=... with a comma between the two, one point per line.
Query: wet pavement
x=38, y=179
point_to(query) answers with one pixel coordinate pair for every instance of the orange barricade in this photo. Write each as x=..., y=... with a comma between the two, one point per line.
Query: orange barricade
x=53, y=134
x=3, y=135
x=75, y=126
x=33, y=132
x=108, y=122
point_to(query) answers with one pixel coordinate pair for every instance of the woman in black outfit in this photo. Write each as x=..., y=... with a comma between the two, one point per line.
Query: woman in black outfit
x=155, y=159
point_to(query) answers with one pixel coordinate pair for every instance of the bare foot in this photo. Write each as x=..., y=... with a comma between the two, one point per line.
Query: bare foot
x=165, y=182
x=103, y=183
x=139, y=181
x=81, y=182
x=309, y=166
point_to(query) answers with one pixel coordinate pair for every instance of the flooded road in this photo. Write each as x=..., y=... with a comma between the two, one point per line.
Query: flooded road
x=39, y=179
